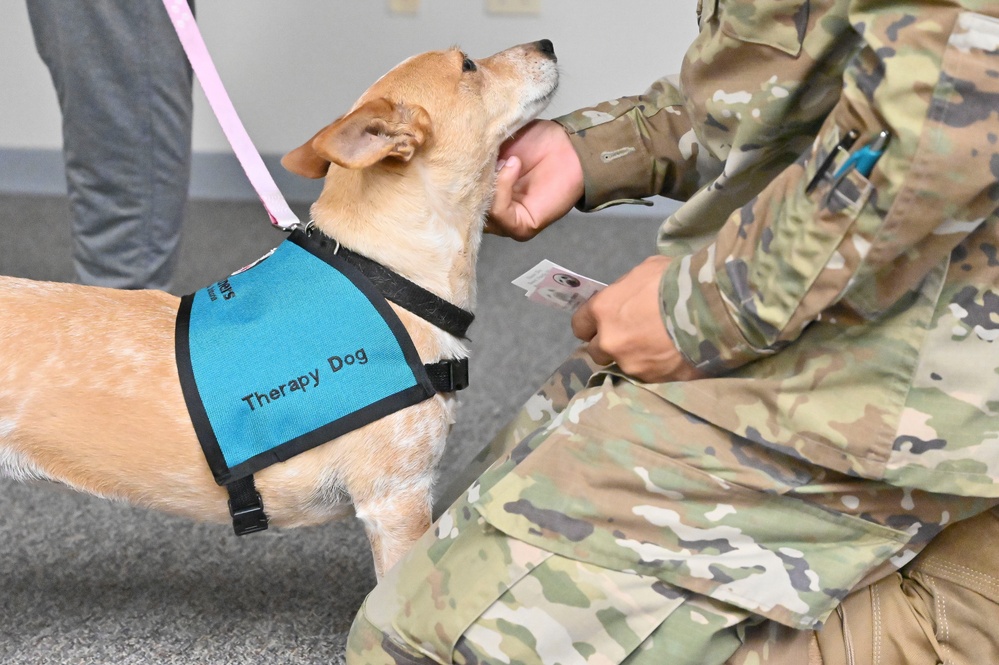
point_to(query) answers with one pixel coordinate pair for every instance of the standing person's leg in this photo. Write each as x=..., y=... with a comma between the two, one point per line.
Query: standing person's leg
x=630, y=531
x=124, y=88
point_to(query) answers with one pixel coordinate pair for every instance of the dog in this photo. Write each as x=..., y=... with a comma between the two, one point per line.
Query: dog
x=90, y=395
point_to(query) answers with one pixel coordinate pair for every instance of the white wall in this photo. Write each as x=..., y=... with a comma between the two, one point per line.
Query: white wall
x=291, y=66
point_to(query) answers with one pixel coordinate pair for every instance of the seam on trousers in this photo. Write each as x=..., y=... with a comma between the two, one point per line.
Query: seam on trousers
x=851, y=658
x=944, y=628
x=877, y=627
x=969, y=577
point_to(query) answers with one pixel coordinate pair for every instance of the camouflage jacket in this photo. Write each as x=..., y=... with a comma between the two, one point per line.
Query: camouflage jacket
x=850, y=319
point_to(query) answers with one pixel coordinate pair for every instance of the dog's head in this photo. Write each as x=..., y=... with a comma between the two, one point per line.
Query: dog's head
x=441, y=106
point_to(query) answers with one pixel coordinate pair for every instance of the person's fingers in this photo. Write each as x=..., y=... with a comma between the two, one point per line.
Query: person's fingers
x=597, y=352
x=503, y=213
x=584, y=323
x=584, y=327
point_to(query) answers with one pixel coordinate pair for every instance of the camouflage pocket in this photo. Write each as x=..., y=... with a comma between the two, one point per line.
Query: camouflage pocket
x=776, y=23
x=844, y=206
x=629, y=483
x=950, y=176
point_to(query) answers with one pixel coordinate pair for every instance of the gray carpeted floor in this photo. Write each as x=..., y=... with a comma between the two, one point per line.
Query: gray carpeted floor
x=84, y=581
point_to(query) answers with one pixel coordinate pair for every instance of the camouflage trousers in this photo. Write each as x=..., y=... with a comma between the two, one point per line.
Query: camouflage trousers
x=616, y=528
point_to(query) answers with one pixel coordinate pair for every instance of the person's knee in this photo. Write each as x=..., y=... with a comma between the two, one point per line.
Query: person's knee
x=396, y=623
x=370, y=644
x=423, y=606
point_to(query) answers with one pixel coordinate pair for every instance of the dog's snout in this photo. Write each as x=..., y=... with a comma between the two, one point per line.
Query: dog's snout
x=547, y=48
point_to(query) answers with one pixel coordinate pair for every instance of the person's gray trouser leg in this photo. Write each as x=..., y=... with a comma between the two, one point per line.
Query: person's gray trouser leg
x=124, y=87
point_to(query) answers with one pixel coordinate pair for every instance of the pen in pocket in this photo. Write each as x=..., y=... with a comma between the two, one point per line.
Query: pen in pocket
x=844, y=144
x=862, y=161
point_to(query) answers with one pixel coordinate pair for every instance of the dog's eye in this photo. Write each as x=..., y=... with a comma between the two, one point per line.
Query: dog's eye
x=468, y=65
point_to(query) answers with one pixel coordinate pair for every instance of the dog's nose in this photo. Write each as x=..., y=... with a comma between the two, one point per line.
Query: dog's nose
x=546, y=47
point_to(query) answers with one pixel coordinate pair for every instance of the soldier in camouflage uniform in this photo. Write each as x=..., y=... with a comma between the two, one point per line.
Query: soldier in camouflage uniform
x=802, y=383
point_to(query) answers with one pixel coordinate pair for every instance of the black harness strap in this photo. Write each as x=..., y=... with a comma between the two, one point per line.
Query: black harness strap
x=448, y=376
x=428, y=306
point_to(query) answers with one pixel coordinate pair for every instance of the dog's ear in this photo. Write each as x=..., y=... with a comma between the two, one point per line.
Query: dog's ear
x=304, y=160
x=374, y=131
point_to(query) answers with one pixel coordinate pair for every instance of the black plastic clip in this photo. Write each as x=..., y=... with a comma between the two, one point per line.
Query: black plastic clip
x=459, y=373
x=246, y=507
x=249, y=519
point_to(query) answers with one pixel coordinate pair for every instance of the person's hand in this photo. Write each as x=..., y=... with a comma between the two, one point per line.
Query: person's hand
x=622, y=324
x=539, y=181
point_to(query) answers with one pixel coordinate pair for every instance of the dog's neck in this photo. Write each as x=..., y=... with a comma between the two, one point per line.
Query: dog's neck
x=422, y=229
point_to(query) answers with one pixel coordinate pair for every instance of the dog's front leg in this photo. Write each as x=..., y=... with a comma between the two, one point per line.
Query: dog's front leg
x=393, y=523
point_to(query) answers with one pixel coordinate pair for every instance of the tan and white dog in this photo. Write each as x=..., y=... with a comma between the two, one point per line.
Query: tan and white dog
x=89, y=388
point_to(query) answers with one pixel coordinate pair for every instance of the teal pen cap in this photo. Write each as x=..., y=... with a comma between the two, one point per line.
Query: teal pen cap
x=864, y=159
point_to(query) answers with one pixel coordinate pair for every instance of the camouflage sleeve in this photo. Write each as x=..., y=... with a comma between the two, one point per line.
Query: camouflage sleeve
x=859, y=244
x=635, y=147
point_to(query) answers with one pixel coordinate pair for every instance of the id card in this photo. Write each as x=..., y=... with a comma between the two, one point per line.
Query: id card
x=550, y=284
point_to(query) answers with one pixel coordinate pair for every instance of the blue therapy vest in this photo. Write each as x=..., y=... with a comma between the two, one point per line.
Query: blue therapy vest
x=283, y=356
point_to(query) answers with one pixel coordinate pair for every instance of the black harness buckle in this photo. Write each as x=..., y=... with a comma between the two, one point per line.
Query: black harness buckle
x=459, y=373
x=248, y=519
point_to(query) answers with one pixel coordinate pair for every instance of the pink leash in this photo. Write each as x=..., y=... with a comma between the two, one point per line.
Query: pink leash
x=260, y=178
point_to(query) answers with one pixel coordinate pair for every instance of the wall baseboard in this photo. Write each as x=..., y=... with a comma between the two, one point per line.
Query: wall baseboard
x=214, y=176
